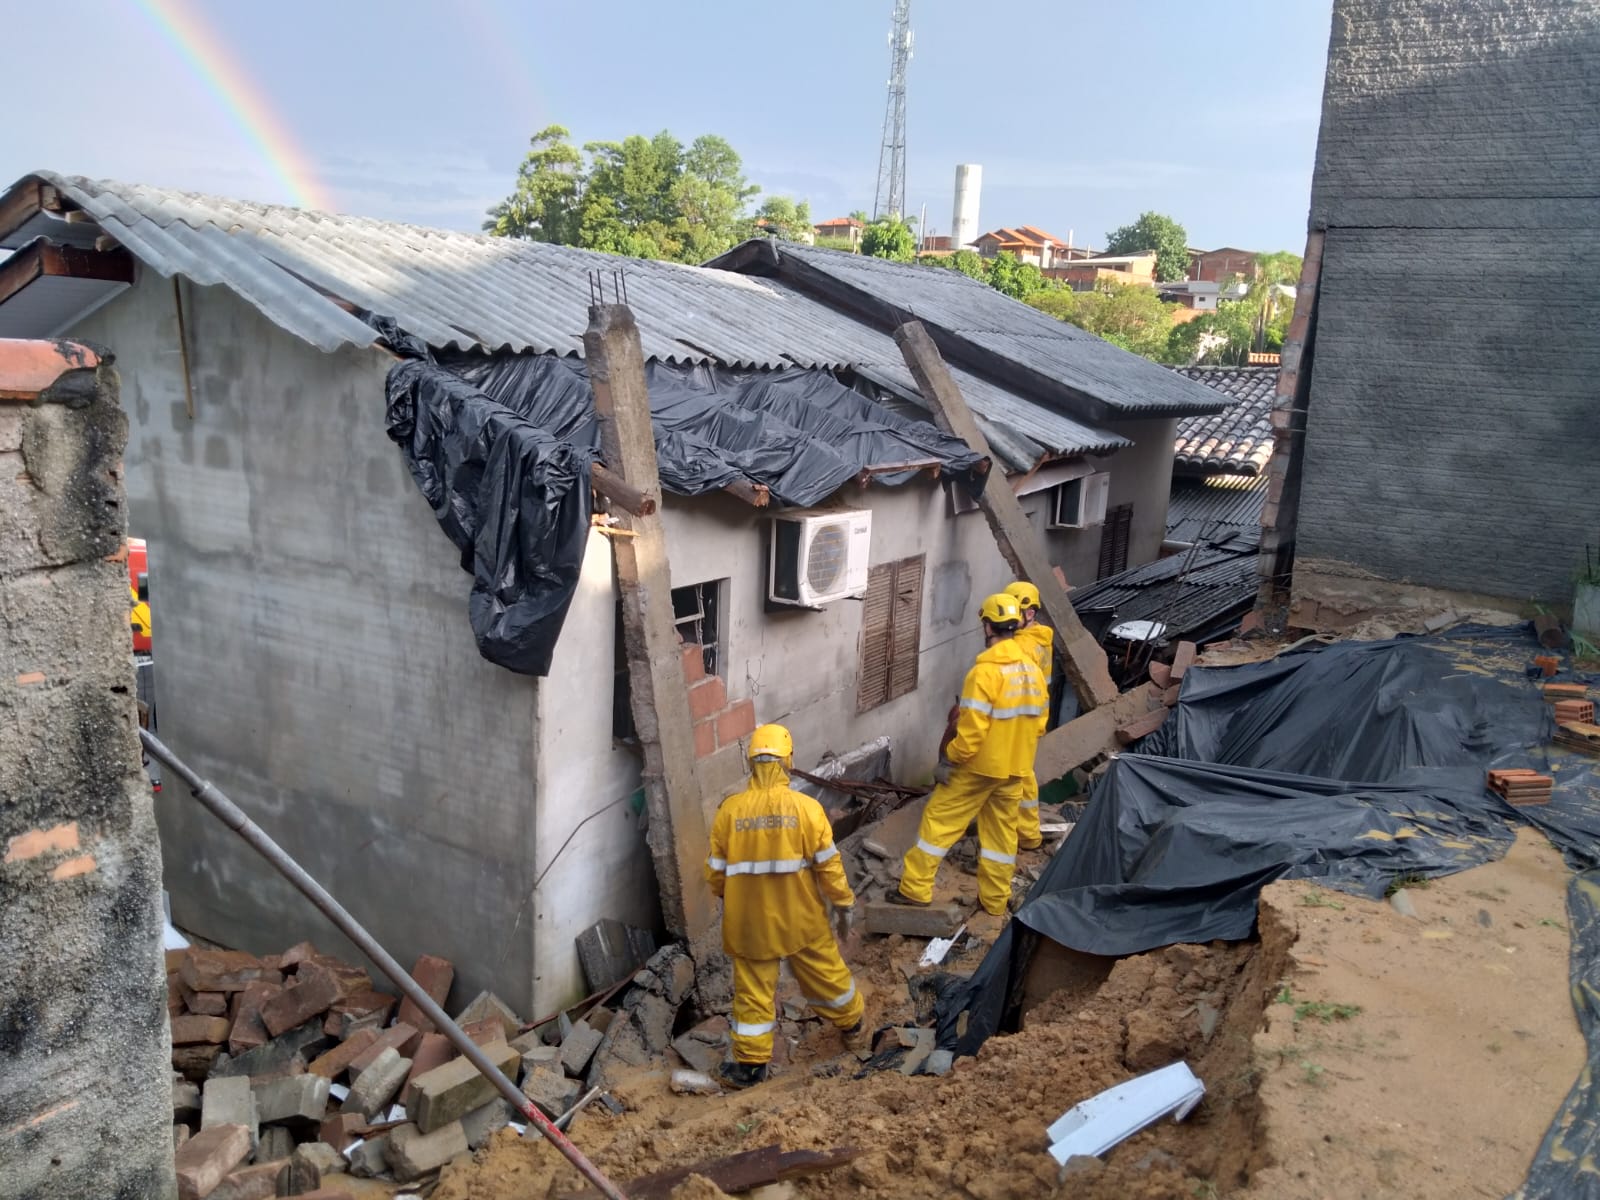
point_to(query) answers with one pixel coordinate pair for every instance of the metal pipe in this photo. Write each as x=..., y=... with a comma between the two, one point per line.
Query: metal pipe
x=235, y=819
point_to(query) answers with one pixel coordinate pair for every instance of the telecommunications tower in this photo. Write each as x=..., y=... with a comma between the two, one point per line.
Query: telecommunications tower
x=890, y=198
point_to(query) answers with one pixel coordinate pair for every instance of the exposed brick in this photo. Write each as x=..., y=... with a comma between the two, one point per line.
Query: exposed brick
x=336, y=1061
x=694, y=664
x=1182, y=660
x=707, y=698
x=194, y=1062
x=1160, y=674
x=342, y=1129
x=224, y=971
x=484, y=1031
x=486, y=1005
x=399, y=1037
x=368, y=1009
x=207, y=1004
x=1142, y=727
x=286, y=1055
x=259, y=1182
x=297, y=954
x=191, y=1030
x=315, y=989
x=248, y=1032
x=737, y=722
x=705, y=738
x=206, y=1159
x=433, y=1050
x=434, y=975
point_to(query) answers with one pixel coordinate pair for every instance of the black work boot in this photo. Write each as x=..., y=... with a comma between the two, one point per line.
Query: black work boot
x=739, y=1076
x=898, y=897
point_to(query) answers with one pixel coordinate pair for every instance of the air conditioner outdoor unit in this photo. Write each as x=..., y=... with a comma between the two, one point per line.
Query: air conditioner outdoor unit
x=819, y=557
x=1081, y=503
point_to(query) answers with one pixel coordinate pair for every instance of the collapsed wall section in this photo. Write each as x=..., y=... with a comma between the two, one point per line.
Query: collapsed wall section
x=85, y=1099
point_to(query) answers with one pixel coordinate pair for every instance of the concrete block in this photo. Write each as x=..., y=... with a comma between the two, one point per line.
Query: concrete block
x=655, y=1017
x=433, y=1050
x=412, y=1154
x=315, y=991
x=705, y=1047
x=370, y=1159
x=399, y=1037
x=551, y=1090
x=484, y=1030
x=225, y=971
x=610, y=951
x=285, y=1055
x=578, y=1048
x=481, y=1123
x=248, y=1032
x=937, y=920
x=190, y=1030
x=206, y=1159
x=195, y=1062
x=299, y=1176
x=434, y=975
x=334, y=1063
x=449, y=1092
x=542, y=1056
x=378, y=1084
x=276, y=1144
x=230, y=1101
x=185, y=1100
x=258, y=1182
x=326, y=1159
x=487, y=1004
x=300, y=1100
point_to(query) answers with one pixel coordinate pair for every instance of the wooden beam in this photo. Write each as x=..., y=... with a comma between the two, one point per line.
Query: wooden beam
x=1019, y=543
x=620, y=492
x=1093, y=734
x=678, y=836
x=19, y=205
x=41, y=259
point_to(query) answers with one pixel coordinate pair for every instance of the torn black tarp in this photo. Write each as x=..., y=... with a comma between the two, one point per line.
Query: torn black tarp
x=513, y=499
x=1177, y=849
x=801, y=433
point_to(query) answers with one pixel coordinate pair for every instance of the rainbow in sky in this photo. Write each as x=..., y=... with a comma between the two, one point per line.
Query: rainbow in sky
x=218, y=67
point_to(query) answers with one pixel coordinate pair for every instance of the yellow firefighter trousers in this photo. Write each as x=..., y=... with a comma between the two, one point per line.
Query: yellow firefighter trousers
x=1028, y=835
x=945, y=819
x=824, y=981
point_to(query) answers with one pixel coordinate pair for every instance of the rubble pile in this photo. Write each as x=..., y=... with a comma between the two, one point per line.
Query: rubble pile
x=293, y=1075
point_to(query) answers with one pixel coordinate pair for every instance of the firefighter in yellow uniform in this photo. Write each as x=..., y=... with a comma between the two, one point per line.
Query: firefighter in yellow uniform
x=1004, y=707
x=772, y=863
x=1041, y=639
x=139, y=616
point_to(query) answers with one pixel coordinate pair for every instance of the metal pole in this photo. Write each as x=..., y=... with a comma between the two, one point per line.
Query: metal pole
x=235, y=819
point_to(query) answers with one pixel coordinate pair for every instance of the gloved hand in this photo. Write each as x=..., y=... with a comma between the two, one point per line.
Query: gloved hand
x=941, y=773
x=844, y=920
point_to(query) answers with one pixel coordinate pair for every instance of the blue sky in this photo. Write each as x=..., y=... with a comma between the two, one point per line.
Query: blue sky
x=1081, y=114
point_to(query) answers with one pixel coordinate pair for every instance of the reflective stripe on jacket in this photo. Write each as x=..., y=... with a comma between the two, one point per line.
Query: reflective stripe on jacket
x=772, y=862
x=1004, y=708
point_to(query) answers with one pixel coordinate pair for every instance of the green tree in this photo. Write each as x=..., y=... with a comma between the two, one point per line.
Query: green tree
x=1015, y=278
x=1128, y=315
x=1221, y=338
x=1154, y=231
x=889, y=238
x=783, y=217
x=860, y=214
x=969, y=263
x=1266, y=300
x=544, y=206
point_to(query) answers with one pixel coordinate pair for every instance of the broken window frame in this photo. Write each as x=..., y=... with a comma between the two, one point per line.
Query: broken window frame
x=697, y=614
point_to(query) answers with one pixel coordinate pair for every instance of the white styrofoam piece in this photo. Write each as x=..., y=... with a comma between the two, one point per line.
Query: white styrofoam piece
x=350, y=1150
x=938, y=947
x=1100, y=1122
x=519, y=1127
x=171, y=939
x=397, y=1112
x=338, y=1091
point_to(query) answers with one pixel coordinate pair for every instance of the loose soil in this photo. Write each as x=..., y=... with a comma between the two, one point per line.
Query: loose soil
x=1443, y=1084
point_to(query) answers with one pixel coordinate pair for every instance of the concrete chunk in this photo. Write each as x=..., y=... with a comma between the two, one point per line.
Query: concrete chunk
x=370, y=1158
x=229, y=1101
x=206, y=1159
x=552, y=1091
x=449, y=1092
x=378, y=1084
x=578, y=1048
x=320, y=1155
x=412, y=1154
x=610, y=951
x=295, y=1100
x=259, y=1182
x=276, y=1144
x=185, y=1100
x=481, y=1123
x=487, y=1004
x=286, y=1055
x=937, y=920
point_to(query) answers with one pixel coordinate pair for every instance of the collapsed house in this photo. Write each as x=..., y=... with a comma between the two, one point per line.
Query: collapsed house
x=1440, y=444
x=313, y=652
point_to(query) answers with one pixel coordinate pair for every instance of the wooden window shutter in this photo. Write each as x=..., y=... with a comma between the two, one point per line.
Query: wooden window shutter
x=905, y=633
x=872, y=687
x=1114, y=536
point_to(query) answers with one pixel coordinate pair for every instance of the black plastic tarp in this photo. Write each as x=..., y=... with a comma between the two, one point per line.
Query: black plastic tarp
x=502, y=447
x=1177, y=849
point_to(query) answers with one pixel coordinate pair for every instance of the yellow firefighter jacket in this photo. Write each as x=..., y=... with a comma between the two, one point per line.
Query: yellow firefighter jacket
x=1041, y=640
x=1004, y=708
x=772, y=861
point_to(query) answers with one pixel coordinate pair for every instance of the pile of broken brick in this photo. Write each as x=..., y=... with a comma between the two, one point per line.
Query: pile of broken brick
x=295, y=1076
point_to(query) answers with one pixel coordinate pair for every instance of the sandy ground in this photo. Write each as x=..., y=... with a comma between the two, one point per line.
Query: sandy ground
x=1443, y=1084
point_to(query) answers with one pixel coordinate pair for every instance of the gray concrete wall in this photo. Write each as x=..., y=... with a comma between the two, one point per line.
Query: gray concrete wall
x=1452, y=439
x=313, y=656
x=85, y=1060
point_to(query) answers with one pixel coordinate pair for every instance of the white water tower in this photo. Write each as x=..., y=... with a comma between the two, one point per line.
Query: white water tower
x=964, y=228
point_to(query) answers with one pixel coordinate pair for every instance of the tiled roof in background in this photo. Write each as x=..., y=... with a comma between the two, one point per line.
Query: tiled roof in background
x=1235, y=442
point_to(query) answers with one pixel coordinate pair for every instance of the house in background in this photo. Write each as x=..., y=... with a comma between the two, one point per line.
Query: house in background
x=1030, y=245
x=314, y=655
x=1444, y=466
x=1086, y=274
x=840, y=232
x=1216, y=266
x=1197, y=294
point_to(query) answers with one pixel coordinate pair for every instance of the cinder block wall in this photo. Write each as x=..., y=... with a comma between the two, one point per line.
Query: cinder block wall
x=85, y=1067
x=1453, y=429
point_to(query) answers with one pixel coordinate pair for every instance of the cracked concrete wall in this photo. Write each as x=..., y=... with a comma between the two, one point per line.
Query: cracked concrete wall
x=85, y=1064
x=1452, y=437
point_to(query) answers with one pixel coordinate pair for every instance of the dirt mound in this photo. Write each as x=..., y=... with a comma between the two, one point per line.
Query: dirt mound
x=978, y=1132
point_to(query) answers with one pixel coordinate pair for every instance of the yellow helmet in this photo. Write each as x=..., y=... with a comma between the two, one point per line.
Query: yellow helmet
x=1027, y=595
x=1002, y=611
x=771, y=741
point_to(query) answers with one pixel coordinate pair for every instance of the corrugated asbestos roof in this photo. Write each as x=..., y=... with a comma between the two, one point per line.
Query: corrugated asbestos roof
x=1238, y=441
x=473, y=292
x=1130, y=385
x=1194, y=597
x=1223, y=508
